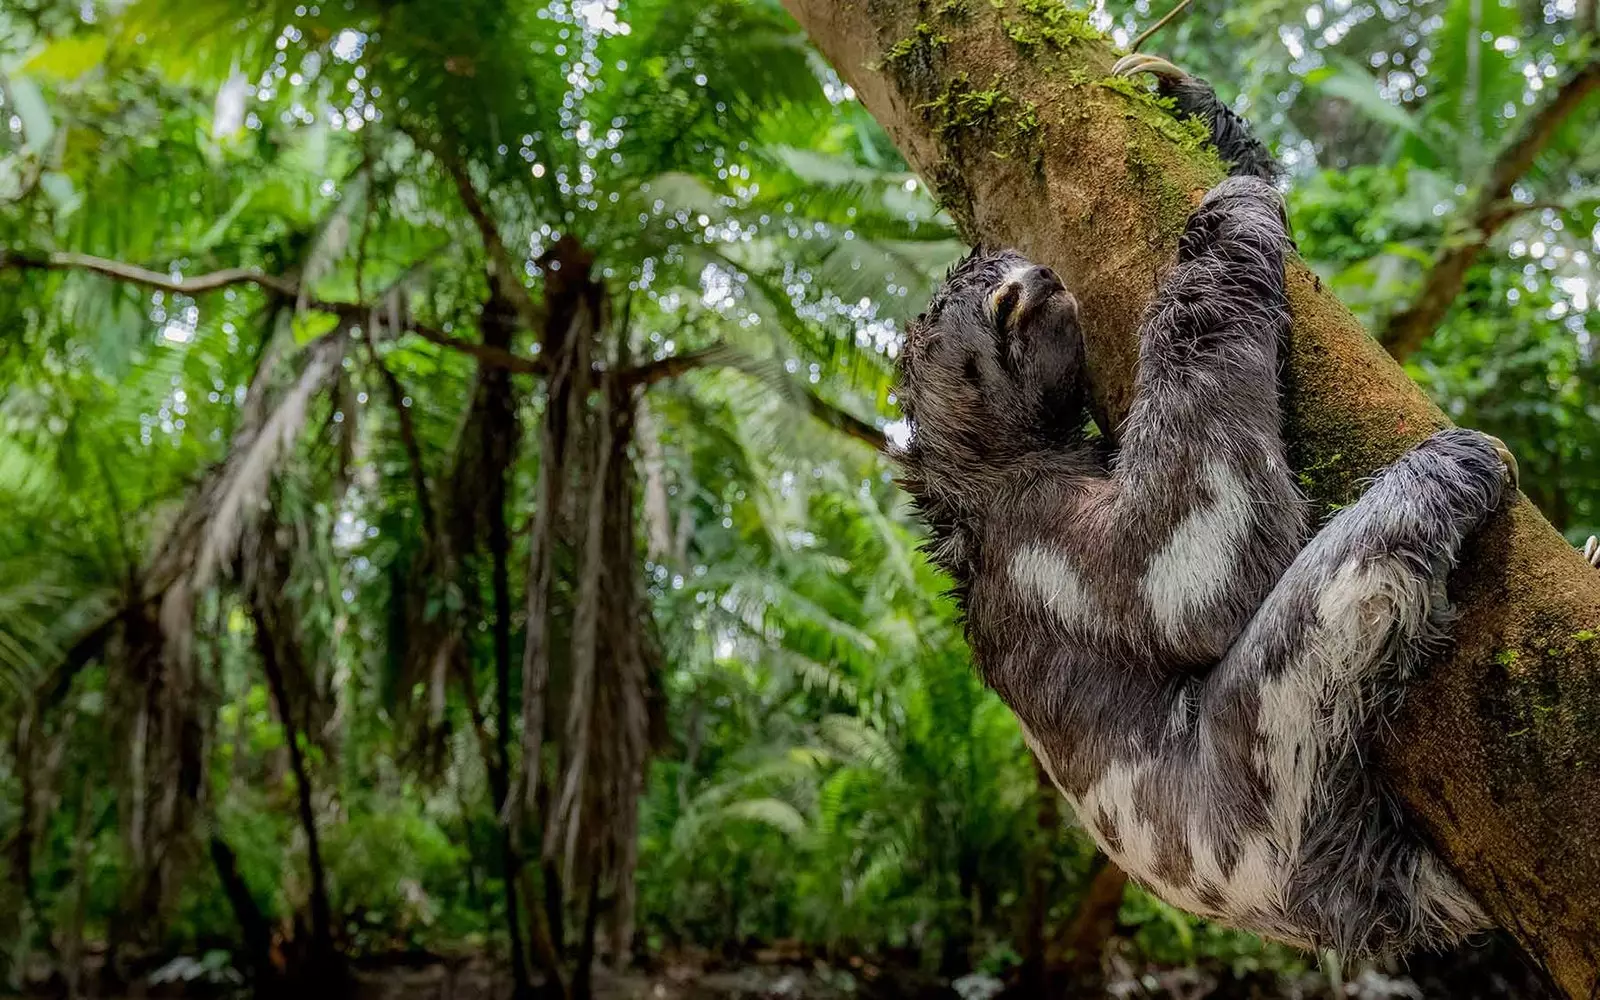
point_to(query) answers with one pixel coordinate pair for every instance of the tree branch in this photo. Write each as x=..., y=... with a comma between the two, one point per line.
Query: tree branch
x=21, y=260
x=1496, y=754
x=277, y=285
x=1404, y=331
x=503, y=270
x=721, y=355
x=360, y=312
x=845, y=422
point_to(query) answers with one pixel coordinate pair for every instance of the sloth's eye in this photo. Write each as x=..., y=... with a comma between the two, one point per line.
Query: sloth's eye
x=1004, y=304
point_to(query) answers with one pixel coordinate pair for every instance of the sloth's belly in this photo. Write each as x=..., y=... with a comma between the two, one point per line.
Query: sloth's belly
x=1169, y=840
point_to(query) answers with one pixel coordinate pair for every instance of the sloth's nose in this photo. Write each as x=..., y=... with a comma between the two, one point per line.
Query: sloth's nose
x=1043, y=281
x=1022, y=291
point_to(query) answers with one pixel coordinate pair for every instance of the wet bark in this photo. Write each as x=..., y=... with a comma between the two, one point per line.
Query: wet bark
x=1497, y=752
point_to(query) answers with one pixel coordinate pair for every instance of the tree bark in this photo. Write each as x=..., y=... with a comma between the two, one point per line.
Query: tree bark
x=1028, y=143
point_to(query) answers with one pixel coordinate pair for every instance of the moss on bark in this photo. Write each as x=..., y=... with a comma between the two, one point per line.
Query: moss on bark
x=1497, y=751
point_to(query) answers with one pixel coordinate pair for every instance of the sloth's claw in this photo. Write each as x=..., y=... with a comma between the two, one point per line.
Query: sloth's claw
x=1513, y=476
x=1142, y=62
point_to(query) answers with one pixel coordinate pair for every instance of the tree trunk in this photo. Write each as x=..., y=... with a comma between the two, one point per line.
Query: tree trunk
x=254, y=927
x=497, y=439
x=1076, y=962
x=72, y=951
x=322, y=954
x=1010, y=116
x=1033, y=929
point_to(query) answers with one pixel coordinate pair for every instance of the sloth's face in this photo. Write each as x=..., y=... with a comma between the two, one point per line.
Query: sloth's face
x=994, y=366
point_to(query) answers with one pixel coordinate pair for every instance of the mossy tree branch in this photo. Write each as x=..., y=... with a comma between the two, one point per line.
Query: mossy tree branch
x=1006, y=109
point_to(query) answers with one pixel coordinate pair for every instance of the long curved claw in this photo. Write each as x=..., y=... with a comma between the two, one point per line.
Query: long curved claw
x=1591, y=552
x=1143, y=62
x=1512, y=475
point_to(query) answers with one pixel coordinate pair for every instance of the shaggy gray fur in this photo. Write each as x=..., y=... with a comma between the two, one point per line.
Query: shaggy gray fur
x=1199, y=674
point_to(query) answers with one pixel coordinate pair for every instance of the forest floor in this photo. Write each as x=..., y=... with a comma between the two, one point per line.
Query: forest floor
x=1489, y=971
x=776, y=976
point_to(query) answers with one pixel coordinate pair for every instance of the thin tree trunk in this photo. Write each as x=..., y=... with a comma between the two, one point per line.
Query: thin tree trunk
x=511, y=862
x=572, y=810
x=583, y=965
x=254, y=927
x=554, y=896
x=572, y=303
x=72, y=952
x=322, y=952
x=1042, y=879
x=1075, y=960
x=22, y=842
x=1497, y=752
x=497, y=430
x=657, y=514
x=510, y=869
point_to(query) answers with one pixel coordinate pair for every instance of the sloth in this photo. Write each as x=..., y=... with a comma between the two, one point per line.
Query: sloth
x=1199, y=673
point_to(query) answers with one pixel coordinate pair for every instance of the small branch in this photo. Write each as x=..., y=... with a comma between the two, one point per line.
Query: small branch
x=1144, y=36
x=1405, y=330
x=721, y=355
x=1499, y=214
x=19, y=260
x=845, y=422
x=287, y=288
x=494, y=356
x=502, y=268
x=648, y=374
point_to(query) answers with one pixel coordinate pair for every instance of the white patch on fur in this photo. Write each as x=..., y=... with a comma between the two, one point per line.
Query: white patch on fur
x=1047, y=576
x=1317, y=703
x=1113, y=794
x=1202, y=554
x=1251, y=893
x=1259, y=877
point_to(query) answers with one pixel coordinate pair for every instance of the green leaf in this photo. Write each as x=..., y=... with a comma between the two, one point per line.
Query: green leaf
x=1353, y=85
x=312, y=325
x=776, y=813
x=68, y=58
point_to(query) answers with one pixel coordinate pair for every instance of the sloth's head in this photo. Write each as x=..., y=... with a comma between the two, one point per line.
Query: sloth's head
x=992, y=372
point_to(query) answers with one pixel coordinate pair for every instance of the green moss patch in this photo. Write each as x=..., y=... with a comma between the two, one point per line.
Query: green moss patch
x=1048, y=24
x=919, y=47
x=963, y=113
